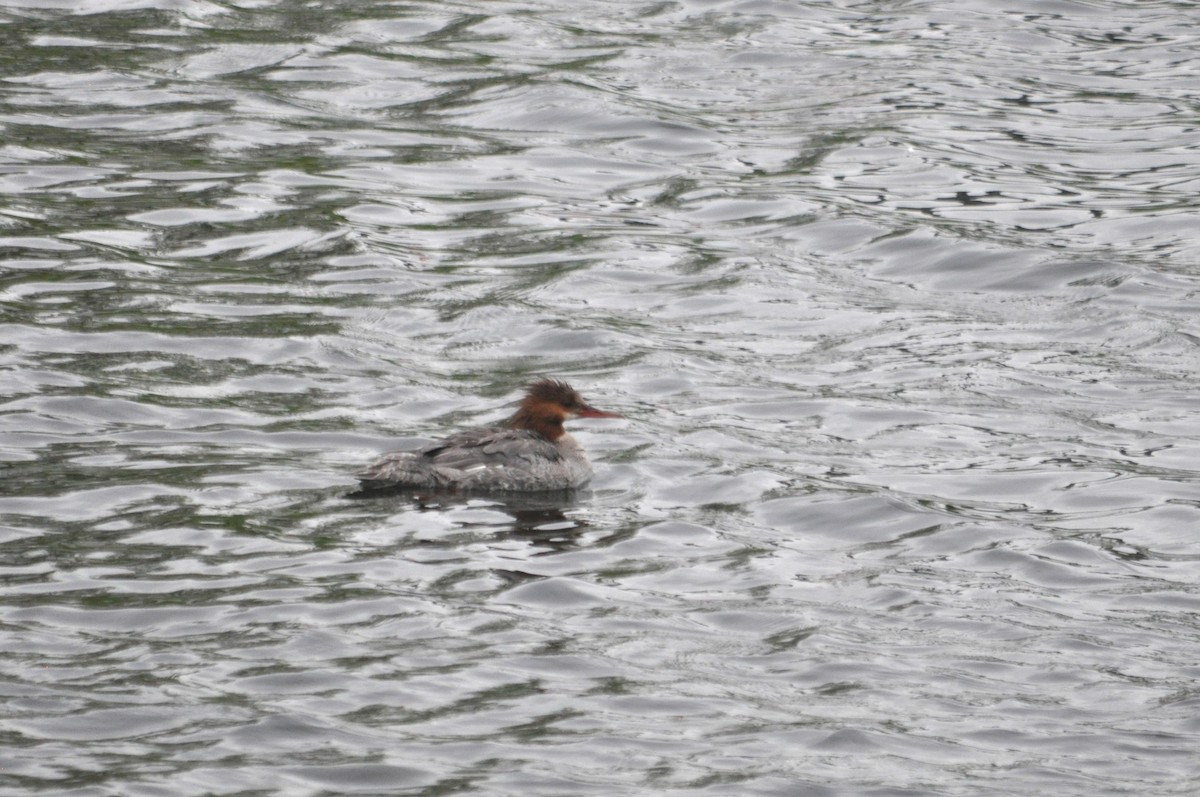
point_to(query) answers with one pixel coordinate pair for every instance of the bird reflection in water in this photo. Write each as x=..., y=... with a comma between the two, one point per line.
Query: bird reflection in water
x=539, y=518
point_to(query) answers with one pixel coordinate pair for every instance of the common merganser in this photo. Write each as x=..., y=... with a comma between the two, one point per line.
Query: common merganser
x=530, y=452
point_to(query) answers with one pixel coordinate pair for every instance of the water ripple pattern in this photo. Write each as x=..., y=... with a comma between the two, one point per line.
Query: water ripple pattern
x=898, y=301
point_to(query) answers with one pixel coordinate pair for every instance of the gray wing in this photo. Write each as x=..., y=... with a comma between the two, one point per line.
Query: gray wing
x=491, y=446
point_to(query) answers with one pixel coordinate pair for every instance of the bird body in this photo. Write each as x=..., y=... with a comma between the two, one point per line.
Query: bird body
x=531, y=452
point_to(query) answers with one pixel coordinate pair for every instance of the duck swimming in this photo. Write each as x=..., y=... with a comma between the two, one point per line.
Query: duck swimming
x=530, y=452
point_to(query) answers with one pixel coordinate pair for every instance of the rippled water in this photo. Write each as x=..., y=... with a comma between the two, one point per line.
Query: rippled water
x=899, y=301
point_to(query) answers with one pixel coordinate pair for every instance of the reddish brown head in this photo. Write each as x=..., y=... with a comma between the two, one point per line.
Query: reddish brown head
x=549, y=402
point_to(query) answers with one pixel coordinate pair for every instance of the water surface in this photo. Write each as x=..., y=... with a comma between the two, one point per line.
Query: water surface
x=898, y=300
